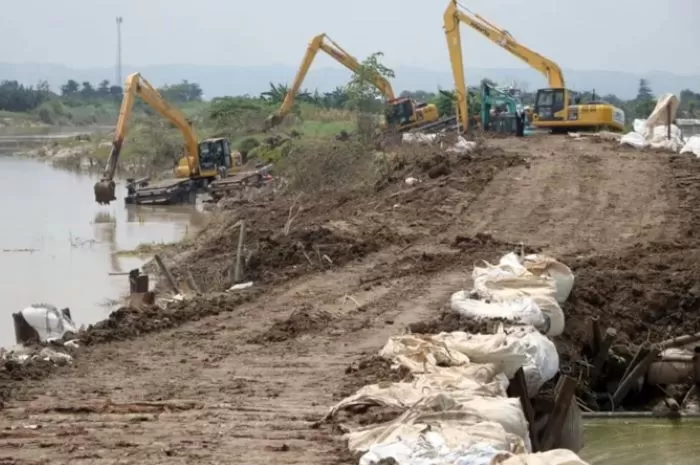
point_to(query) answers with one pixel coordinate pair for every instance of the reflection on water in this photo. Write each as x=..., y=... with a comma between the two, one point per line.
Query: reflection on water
x=58, y=246
x=642, y=442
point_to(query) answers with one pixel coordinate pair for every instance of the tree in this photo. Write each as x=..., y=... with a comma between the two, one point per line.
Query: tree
x=70, y=87
x=103, y=88
x=363, y=95
x=116, y=92
x=445, y=102
x=183, y=92
x=87, y=90
x=645, y=102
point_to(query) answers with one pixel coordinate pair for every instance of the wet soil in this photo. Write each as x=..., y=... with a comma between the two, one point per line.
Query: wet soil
x=255, y=371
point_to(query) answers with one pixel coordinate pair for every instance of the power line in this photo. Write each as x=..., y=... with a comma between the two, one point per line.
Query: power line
x=118, y=82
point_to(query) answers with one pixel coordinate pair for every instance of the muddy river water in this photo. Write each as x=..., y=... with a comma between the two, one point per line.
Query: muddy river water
x=58, y=246
x=641, y=442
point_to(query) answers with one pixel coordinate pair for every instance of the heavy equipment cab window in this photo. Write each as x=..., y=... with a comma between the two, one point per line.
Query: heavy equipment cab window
x=558, y=100
x=545, y=99
x=228, y=161
x=400, y=113
x=206, y=157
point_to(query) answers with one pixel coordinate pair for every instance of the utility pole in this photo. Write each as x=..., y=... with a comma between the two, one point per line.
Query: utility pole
x=119, y=82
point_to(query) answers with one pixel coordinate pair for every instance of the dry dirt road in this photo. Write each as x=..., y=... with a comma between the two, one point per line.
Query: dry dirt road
x=247, y=385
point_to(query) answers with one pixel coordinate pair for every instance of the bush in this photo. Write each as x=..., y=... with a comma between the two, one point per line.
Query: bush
x=320, y=165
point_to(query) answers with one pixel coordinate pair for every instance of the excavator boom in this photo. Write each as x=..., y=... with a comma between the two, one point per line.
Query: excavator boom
x=136, y=85
x=335, y=51
x=556, y=108
x=455, y=13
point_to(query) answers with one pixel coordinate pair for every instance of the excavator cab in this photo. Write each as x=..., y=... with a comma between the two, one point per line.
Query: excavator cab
x=549, y=102
x=400, y=112
x=214, y=153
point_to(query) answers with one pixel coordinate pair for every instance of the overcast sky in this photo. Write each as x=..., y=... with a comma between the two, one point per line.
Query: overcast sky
x=628, y=35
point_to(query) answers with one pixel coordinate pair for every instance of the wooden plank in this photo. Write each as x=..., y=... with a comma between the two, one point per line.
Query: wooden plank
x=634, y=374
x=565, y=389
x=518, y=388
x=238, y=267
x=166, y=272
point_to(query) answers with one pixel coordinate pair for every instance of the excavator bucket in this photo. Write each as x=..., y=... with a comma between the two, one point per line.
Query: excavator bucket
x=104, y=192
x=271, y=121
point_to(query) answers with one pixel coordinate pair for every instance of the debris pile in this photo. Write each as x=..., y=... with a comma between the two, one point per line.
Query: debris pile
x=460, y=402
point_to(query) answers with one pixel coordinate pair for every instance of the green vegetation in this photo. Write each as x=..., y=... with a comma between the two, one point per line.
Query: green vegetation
x=153, y=145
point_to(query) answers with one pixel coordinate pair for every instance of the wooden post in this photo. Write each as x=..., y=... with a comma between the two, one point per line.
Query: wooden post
x=238, y=271
x=565, y=389
x=668, y=120
x=518, y=388
x=192, y=283
x=634, y=374
x=138, y=283
x=166, y=273
x=602, y=355
x=596, y=337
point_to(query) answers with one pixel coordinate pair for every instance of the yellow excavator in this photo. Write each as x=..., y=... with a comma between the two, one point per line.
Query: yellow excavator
x=556, y=108
x=402, y=113
x=201, y=163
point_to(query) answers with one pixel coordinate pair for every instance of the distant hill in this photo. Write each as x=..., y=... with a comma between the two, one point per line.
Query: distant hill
x=238, y=80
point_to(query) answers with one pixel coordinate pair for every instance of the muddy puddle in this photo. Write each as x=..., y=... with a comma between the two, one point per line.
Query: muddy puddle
x=641, y=442
x=58, y=246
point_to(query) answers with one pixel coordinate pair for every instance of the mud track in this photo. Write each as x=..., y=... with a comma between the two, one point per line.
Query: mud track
x=246, y=380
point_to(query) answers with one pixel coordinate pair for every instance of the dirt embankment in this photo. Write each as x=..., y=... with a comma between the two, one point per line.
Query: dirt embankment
x=336, y=275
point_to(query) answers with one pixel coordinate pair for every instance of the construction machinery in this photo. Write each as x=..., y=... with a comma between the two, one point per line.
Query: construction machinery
x=499, y=110
x=202, y=162
x=556, y=108
x=402, y=113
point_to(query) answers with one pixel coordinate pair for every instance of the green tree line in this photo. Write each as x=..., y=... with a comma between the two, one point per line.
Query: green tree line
x=358, y=95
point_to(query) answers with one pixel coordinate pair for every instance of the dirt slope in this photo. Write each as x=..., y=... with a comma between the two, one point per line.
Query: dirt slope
x=577, y=196
x=247, y=385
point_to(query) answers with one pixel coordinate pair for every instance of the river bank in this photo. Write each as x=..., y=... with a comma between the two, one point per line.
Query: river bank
x=336, y=274
x=62, y=247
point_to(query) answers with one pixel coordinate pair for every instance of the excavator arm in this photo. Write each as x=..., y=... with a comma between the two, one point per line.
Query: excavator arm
x=335, y=51
x=456, y=14
x=501, y=37
x=136, y=85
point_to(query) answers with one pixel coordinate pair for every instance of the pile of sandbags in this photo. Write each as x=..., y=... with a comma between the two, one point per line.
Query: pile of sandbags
x=455, y=408
x=659, y=132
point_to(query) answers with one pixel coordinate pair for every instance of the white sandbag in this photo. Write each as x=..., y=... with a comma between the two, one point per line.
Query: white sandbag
x=640, y=127
x=634, y=139
x=692, y=146
x=421, y=353
x=431, y=449
x=508, y=353
x=418, y=138
x=462, y=146
x=521, y=310
x=49, y=322
x=543, y=279
x=552, y=457
x=660, y=115
x=543, y=359
x=544, y=266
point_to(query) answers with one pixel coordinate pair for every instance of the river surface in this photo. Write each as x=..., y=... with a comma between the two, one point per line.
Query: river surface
x=58, y=246
x=641, y=442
